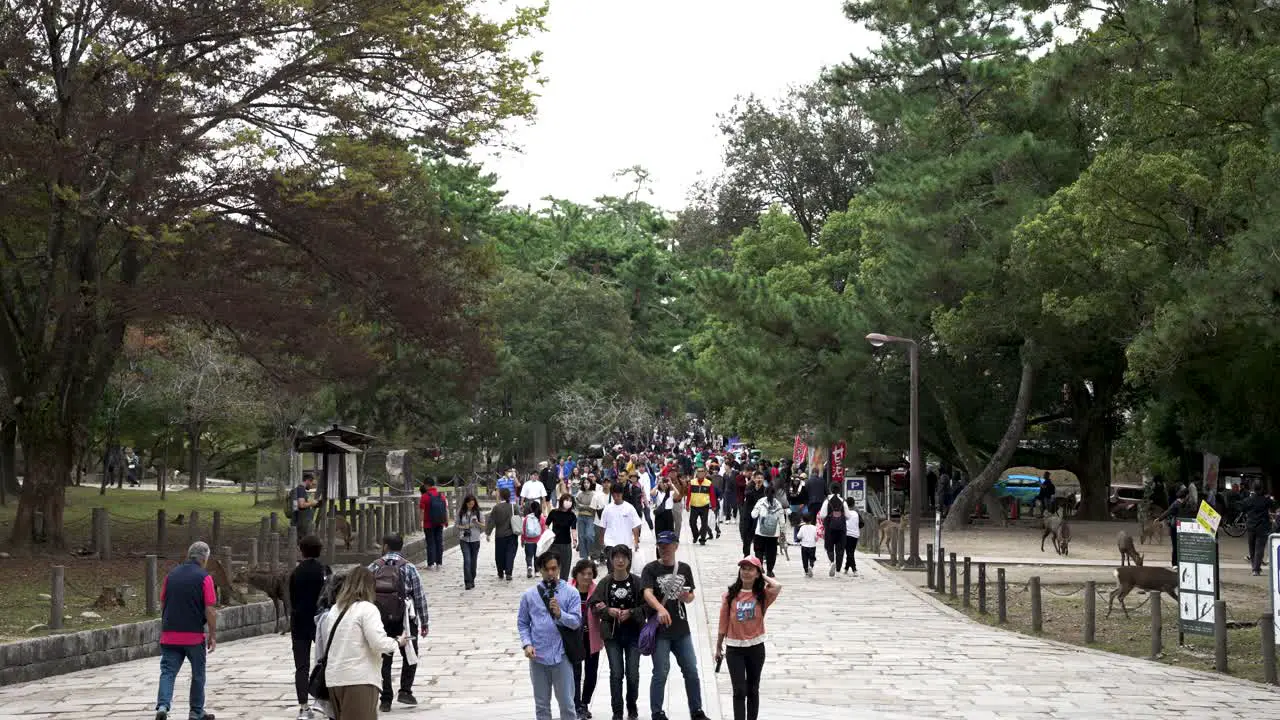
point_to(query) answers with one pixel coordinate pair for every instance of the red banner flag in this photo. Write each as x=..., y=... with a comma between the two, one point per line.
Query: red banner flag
x=837, y=461
x=798, y=451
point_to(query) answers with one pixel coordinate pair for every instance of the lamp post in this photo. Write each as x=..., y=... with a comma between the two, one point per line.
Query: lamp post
x=917, y=463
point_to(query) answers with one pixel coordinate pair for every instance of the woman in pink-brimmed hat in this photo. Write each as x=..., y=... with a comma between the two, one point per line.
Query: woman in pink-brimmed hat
x=742, y=612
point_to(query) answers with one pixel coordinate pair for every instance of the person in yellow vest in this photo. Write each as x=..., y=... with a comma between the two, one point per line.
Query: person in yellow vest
x=700, y=499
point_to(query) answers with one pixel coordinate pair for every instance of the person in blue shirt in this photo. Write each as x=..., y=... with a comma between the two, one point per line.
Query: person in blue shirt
x=544, y=609
x=508, y=482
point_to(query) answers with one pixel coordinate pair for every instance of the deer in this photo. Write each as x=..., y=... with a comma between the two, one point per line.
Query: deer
x=1128, y=553
x=1143, y=578
x=889, y=529
x=342, y=529
x=1151, y=529
x=222, y=580
x=276, y=587
x=1056, y=525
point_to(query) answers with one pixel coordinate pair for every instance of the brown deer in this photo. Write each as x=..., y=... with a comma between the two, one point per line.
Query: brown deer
x=1143, y=578
x=222, y=580
x=276, y=587
x=1056, y=525
x=1151, y=529
x=1128, y=553
x=342, y=529
x=889, y=529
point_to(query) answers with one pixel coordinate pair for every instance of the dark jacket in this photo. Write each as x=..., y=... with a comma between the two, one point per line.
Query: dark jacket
x=601, y=595
x=816, y=488
x=1257, y=512
x=499, y=522
x=183, y=609
x=750, y=499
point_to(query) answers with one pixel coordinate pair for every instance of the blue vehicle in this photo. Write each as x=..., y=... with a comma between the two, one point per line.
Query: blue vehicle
x=1023, y=488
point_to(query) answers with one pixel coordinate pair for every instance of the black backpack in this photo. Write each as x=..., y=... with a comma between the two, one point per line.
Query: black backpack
x=836, y=522
x=389, y=591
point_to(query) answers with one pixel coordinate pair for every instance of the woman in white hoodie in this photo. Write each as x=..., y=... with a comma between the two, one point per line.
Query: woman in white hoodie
x=353, y=670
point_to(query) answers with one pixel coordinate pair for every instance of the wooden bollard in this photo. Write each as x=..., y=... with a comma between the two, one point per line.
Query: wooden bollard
x=162, y=532
x=153, y=585
x=95, y=529
x=215, y=532
x=953, y=576
x=380, y=522
x=105, y=553
x=253, y=553
x=1267, y=625
x=1220, y=635
x=928, y=569
x=224, y=552
x=965, y=602
x=274, y=522
x=1002, y=597
x=291, y=545
x=1090, y=611
x=1157, y=624
x=264, y=534
x=1037, y=623
x=982, y=588
x=939, y=583
x=365, y=516
x=275, y=552
x=193, y=527
x=903, y=553
x=57, y=596
x=330, y=546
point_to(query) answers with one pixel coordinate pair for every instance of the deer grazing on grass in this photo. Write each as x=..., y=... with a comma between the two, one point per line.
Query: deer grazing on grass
x=1143, y=578
x=1128, y=553
x=1056, y=525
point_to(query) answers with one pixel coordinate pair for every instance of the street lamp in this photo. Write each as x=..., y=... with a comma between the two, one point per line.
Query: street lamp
x=917, y=463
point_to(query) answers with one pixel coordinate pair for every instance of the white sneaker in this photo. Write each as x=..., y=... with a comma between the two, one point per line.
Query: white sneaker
x=832, y=572
x=305, y=713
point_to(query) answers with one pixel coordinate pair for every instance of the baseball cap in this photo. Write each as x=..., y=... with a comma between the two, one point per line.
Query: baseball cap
x=751, y=560
x=667, y=537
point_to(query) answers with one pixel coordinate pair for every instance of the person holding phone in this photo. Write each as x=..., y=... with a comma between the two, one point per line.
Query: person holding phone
x=742, y=611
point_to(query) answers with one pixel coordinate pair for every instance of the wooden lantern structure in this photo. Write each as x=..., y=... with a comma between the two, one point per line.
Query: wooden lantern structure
x=337, y=452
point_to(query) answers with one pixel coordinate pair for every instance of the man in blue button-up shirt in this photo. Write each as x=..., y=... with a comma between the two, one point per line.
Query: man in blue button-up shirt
x=544, y=609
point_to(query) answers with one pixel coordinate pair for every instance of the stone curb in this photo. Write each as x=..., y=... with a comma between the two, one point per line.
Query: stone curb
x=1057, y=644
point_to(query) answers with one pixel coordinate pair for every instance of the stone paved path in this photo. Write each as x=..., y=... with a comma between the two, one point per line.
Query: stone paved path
x=848, y=647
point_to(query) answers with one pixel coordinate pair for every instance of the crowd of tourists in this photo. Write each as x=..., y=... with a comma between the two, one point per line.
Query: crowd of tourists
x=579, y=523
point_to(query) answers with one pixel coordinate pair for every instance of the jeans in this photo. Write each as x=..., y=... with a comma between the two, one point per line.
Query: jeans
x=435, y=546
x=407, y=671
x=302, y=633
x=808, y=558
x=470, y=558
x=623, y=656
x=682, y=648
x=171, y=657
x=504, y=554
x=1257, y=539
x=850, y=546
x=835, y=551
x=745, y=665
x=530, y=553
x=545, y=678
x=698, y=523
x=767, y=550
x=648, y=516
x=565, y=553
x=584, y=683
x=586, y=536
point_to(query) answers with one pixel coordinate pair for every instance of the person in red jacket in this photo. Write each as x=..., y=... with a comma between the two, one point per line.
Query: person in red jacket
x=435, y=518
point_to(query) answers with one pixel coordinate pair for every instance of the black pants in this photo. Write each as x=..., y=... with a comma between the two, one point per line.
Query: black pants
x=808, y=558
x=584, y=684
x=664, y=520
x=1257, y=539
x=435, y=546
x=835, y=549
x=850, y=546
x=698, y=523
x=747, y=529
x=302, y=632
x=407, y=671
x=565, y=553
x=767, y=551
x=504, y=554
x=745, y=666
x=1173, y=540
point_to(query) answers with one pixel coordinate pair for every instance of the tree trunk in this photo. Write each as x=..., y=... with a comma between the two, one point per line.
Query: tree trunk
x=1092, y=467
x=49, y=462
x=8, y=461
x=962, y=509
x=193, y=456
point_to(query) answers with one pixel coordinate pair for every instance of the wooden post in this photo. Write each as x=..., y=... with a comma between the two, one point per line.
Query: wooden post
x=939, y=583
x=1090, y=611
x=95, y=529
x=104, y=552
x=291, y=546
x=215, y=535
x=264, y=534
x=253, y=553
x=162, y=532
x=274, y=522
x=224, y=553
x=1266, y=624
x=153, y=584
x=1157, y=624
x=967, y=575
x=953, y=576
x=380, y=517
x=982, y=588
x=1002, y=597
x=57, y=596
x=903, y=555
x=275, y=552
x=1220, y=635
x=1037, y=623
x=330, y=547
x=928, y=569
x=362, y=537
x=193, y=527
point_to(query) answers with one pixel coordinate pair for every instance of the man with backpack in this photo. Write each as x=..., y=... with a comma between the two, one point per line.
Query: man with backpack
x=396, y=583
x=835, y=526
x=435, y=518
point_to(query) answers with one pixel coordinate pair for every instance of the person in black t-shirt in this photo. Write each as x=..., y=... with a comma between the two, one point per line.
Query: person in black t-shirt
x=306, y=582
x=564, y=523
x=668, y=587
x=618, y=603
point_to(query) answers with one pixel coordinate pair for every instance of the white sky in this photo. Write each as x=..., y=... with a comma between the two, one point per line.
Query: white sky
x=632, y=82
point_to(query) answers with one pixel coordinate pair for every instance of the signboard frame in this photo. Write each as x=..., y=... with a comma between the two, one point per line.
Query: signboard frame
x=855, y=492
x=1273, y=547
x=1198, y=579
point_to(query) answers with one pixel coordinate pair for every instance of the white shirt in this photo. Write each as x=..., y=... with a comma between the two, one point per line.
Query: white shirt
x=809, y=536
x=664, y=501
x=355, y=656
x=619, y=522
x=531, y=490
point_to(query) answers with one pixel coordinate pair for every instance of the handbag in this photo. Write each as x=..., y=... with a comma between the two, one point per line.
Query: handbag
x=546, y=540
x=517, y=522
x=648, y=636
x=575, y=647
x=317, y=685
